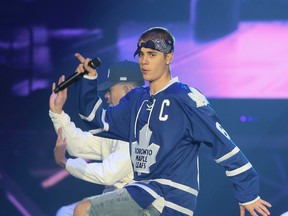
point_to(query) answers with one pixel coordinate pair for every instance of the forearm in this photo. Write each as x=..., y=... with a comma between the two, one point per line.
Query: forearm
x=113, y=168
x=238, y=169
x=88, y=101
x=62, y=162
x=113, y=120
x=92, y=172
x=80, y=144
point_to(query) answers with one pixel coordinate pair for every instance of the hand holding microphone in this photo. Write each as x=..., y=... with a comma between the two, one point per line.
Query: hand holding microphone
x=94, y=63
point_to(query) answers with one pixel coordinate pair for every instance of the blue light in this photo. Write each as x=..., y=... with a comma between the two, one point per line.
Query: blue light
x=244, y=118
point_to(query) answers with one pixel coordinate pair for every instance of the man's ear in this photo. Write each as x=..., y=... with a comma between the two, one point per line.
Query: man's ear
x=169, y=58
x=127, y=88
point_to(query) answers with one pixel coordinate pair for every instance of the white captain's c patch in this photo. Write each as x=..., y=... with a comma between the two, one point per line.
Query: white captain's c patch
x=199, y=98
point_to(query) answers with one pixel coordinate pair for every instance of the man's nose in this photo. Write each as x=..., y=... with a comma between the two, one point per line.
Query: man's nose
x=143, y=59
x=107, y=95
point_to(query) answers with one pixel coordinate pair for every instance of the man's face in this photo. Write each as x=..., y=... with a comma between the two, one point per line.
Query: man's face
x=154, y=64
x=115, y=93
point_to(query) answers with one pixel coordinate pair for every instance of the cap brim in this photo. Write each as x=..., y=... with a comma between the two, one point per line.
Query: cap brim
x=105, y=86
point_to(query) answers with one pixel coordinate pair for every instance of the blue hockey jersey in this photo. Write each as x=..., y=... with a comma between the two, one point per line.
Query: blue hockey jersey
x=165, y=131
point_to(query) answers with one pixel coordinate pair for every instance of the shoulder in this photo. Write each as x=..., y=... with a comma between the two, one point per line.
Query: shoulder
x=199, y=98
x=189, y=95
x=138, y=91
x=180, y=88
x=134, y=95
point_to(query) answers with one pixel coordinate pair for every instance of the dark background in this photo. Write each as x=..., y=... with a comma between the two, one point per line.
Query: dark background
x=31, y=30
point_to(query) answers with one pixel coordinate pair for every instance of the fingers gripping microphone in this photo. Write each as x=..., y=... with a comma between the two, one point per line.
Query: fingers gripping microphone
x=94, y=63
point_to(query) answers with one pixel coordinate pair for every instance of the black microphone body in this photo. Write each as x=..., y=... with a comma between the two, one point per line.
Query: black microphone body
x=94, y=63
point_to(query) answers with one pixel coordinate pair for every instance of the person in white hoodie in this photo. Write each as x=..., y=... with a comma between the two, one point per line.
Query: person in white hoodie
x=115, y=169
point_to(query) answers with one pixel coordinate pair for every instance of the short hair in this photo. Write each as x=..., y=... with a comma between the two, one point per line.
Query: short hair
x=157, y=33
x=133, y=84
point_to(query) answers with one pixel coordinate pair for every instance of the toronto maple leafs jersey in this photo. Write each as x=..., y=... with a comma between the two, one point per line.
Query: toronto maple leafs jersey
x=165, y=131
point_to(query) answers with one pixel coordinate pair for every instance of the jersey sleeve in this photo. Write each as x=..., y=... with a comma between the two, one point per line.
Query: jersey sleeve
x=91, y=109
x=206, y=128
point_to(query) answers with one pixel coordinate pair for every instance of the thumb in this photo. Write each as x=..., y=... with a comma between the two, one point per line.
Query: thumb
x=60, y=133
x=65, y=142
x=242, y=211
x=53, y=87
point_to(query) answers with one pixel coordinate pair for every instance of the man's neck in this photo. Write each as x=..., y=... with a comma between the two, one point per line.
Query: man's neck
x=157, y=85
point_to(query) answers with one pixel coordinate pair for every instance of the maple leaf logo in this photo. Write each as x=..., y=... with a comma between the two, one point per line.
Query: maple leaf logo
x=143, y=154
x=199, y=98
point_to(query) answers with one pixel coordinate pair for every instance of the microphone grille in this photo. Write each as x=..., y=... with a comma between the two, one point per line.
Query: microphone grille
x=95, y=62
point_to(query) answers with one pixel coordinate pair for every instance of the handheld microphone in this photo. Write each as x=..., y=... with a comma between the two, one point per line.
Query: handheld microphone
x=94, y=63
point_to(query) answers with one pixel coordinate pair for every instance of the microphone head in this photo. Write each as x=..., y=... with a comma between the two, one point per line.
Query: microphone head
x=95, y=62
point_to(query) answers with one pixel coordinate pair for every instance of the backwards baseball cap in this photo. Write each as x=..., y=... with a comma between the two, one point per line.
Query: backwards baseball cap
x=125, y=71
